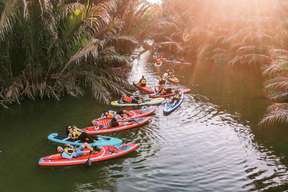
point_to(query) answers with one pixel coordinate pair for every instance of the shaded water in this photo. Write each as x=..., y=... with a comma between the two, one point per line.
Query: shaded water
x=210, y=144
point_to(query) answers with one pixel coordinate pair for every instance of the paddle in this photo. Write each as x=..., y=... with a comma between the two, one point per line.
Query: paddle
x=129, y=120
x=133, y=119
x=88, y=163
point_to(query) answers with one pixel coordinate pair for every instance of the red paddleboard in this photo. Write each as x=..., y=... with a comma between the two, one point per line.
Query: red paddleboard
x=105, y=153
x=137, y=113
x=145, y=89
x=129, y=124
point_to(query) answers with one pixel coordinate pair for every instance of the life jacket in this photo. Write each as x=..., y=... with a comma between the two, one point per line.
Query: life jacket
x=112, y=149
x=142, y=82
x=69, y=150
x=127, y=99
x=109, y=114
x=162, y=91
x=165, y=76
x=75, y=134
x=177, y=97
x=162, y=82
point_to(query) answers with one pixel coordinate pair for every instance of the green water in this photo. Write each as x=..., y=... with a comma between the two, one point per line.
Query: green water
x=212, y=143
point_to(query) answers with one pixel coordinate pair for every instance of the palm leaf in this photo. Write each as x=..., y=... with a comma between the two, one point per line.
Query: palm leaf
x=276, y=114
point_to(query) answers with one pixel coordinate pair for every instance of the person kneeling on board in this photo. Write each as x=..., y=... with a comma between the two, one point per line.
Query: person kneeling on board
x=161, y=89
x=108, y=114
x=69, y=152
x=75, y=133
x=114, y=122
x=168, y=74
x=176, y=97
x=131, y=99
x=122, y=114
x=142, y=82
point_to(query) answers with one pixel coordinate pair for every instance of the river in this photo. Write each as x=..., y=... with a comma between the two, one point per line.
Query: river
x=212, y=143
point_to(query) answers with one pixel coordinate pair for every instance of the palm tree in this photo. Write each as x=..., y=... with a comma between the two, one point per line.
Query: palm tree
x=245, y=42
x=53, y=48
x=277, y=88
x=277, y=114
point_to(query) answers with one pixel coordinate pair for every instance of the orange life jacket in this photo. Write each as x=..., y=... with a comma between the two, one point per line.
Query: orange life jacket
x=127, y=99
x=109, y=115
x=162, y=91
x=177, y=97
x=142, y=82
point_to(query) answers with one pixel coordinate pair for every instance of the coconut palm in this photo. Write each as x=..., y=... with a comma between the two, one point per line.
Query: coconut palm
x=245, y=42
x=277, y=114
x=54, y=48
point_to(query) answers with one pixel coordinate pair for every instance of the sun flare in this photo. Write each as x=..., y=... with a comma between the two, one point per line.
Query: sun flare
x=155, y=1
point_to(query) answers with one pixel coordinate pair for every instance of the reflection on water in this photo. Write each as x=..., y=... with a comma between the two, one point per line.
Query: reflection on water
x=203, y=146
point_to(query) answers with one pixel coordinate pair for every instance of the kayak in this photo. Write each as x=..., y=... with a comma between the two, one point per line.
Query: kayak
x=127, y=124
x=154, y=101
x=173, y=80
x=100, y=142
x=145, y=89
x=105, y=153
x=143, y=112
x=170, y=107
x=183, y=90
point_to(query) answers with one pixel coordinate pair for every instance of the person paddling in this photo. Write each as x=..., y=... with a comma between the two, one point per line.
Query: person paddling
x=142, y=82
x=123, y=114
x=161, y=90
x=131, y=99
x=171, y=74
x=75, y=133
x=159, y=61
x=113, y=122
x=176, y=97
x=108, y=114
x=69, y=152
x=165, y=76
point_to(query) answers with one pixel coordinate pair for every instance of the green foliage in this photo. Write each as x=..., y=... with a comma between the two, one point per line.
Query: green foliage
x=53, y=48
x=277, y=74
x=277, y=114
x=234, y=38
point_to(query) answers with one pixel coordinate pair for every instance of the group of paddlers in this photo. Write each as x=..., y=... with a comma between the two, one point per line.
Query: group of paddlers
x=74, y=133
x=160, y=89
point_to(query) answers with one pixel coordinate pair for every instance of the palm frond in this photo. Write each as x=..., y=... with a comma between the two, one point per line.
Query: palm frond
x=48, y=51
x=89, y=51
x=277, y=114
x=278, y=83
x=123, y=44
x=8, y=14
x=279, y=63
x=249, y=59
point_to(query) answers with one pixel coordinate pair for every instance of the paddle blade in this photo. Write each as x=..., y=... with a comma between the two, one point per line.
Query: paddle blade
x=88, y=163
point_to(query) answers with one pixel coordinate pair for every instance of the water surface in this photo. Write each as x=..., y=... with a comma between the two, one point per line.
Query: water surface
x=212, y=143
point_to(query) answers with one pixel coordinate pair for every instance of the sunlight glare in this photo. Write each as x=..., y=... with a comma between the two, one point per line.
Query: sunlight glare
x=155, y=1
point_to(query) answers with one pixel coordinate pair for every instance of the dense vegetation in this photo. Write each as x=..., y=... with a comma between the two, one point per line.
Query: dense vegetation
x=235, y=36
x=55, y=48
